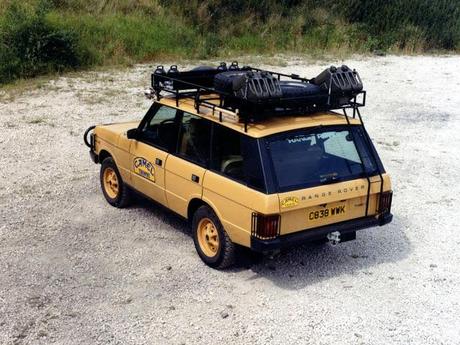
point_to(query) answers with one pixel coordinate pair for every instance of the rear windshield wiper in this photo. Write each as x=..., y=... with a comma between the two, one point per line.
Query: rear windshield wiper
x=330, y=178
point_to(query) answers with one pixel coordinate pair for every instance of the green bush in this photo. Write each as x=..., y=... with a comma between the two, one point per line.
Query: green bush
x=31, y=46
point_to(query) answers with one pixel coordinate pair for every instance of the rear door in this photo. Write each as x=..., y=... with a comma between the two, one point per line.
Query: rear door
x=323, y=205
x=185, y=169
x=158, y=136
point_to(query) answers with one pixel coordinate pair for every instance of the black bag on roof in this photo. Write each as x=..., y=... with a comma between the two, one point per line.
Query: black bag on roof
x=296, y=89
x=211, y=69
x=224, y=81
x=201, y=75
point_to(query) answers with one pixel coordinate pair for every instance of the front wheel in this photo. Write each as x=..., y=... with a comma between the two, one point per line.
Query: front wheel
x=211, y=241
x=115, y=191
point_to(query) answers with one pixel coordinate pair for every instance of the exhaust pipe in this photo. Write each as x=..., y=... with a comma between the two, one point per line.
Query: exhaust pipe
x=333, y=238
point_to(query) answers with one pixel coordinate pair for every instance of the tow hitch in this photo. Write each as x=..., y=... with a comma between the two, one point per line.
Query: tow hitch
x=334, y=237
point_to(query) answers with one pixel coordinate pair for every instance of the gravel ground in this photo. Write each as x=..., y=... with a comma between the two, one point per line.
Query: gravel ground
x=74, y=270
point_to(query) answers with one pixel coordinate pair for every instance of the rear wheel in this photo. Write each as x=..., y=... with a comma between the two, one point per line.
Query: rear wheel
x=211, y=241
x=115, y=191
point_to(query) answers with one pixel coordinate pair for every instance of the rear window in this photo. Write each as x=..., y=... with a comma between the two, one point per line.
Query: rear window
x=311, y=157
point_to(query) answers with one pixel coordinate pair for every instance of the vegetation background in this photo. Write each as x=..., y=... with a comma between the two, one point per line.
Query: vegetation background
x=43, y=36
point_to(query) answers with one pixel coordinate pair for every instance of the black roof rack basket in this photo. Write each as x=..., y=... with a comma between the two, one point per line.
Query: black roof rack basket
x=261, y=93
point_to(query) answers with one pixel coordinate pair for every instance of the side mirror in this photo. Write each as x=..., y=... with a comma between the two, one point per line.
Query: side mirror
x=133, y=133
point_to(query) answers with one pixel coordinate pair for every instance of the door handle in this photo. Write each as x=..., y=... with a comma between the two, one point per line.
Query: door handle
x=158, y=161
x=195, y=178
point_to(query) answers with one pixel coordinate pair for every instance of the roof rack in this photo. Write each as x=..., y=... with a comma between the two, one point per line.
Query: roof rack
x=260, y=94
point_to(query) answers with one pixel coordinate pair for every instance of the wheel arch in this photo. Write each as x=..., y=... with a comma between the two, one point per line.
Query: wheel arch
x=195, y=203
x=103, y=154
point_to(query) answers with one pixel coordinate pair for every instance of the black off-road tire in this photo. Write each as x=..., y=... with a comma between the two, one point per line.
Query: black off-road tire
x=225, y=256
x=124, y=195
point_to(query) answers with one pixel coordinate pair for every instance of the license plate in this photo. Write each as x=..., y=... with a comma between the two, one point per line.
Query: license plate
x=327, y=212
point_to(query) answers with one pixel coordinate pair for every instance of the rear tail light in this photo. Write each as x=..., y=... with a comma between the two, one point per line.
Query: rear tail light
x=265, y=226
x=385, y=202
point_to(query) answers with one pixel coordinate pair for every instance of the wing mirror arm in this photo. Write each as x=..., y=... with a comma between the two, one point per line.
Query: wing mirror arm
x=133, y=133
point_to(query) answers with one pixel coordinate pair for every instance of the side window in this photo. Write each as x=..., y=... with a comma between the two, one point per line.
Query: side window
x=195, y=139
x=237, y=156
x=227, y=157
x=162, y=128
x=252, y=163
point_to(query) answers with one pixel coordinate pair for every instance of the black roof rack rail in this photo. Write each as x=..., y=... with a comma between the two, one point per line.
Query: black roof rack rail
x=335, y=88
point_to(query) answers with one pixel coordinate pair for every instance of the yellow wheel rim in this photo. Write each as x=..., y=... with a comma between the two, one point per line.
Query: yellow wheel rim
x=110, y=180
x=208, y=237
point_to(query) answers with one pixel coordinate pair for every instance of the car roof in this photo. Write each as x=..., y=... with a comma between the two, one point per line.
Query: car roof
x=263, y=128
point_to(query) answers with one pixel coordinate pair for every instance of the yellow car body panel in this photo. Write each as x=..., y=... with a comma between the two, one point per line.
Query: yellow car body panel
x=112, y=139
x=180, y=188
x=234, y=204
x=312, y=203
x=148, y=177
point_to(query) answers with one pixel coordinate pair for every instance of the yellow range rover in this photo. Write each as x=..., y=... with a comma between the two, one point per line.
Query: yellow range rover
x=251, y=158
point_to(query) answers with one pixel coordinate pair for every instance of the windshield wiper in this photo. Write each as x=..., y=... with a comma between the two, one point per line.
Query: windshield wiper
x=330, y=178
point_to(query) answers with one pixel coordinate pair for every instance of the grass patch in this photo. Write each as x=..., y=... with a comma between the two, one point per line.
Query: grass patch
x=51, y=36
x=120, y=39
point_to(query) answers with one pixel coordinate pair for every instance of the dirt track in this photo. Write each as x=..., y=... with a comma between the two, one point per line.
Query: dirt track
x=74, y=270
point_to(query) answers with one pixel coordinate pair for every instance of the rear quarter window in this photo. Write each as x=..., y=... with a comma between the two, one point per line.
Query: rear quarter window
x=237, y=156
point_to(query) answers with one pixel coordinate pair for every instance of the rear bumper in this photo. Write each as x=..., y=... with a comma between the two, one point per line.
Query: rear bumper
x=290, y=240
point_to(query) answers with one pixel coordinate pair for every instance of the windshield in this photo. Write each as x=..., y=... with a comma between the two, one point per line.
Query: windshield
x=310, y=157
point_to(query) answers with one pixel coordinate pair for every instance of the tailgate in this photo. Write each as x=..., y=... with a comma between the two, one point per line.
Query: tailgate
x=325, y=205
